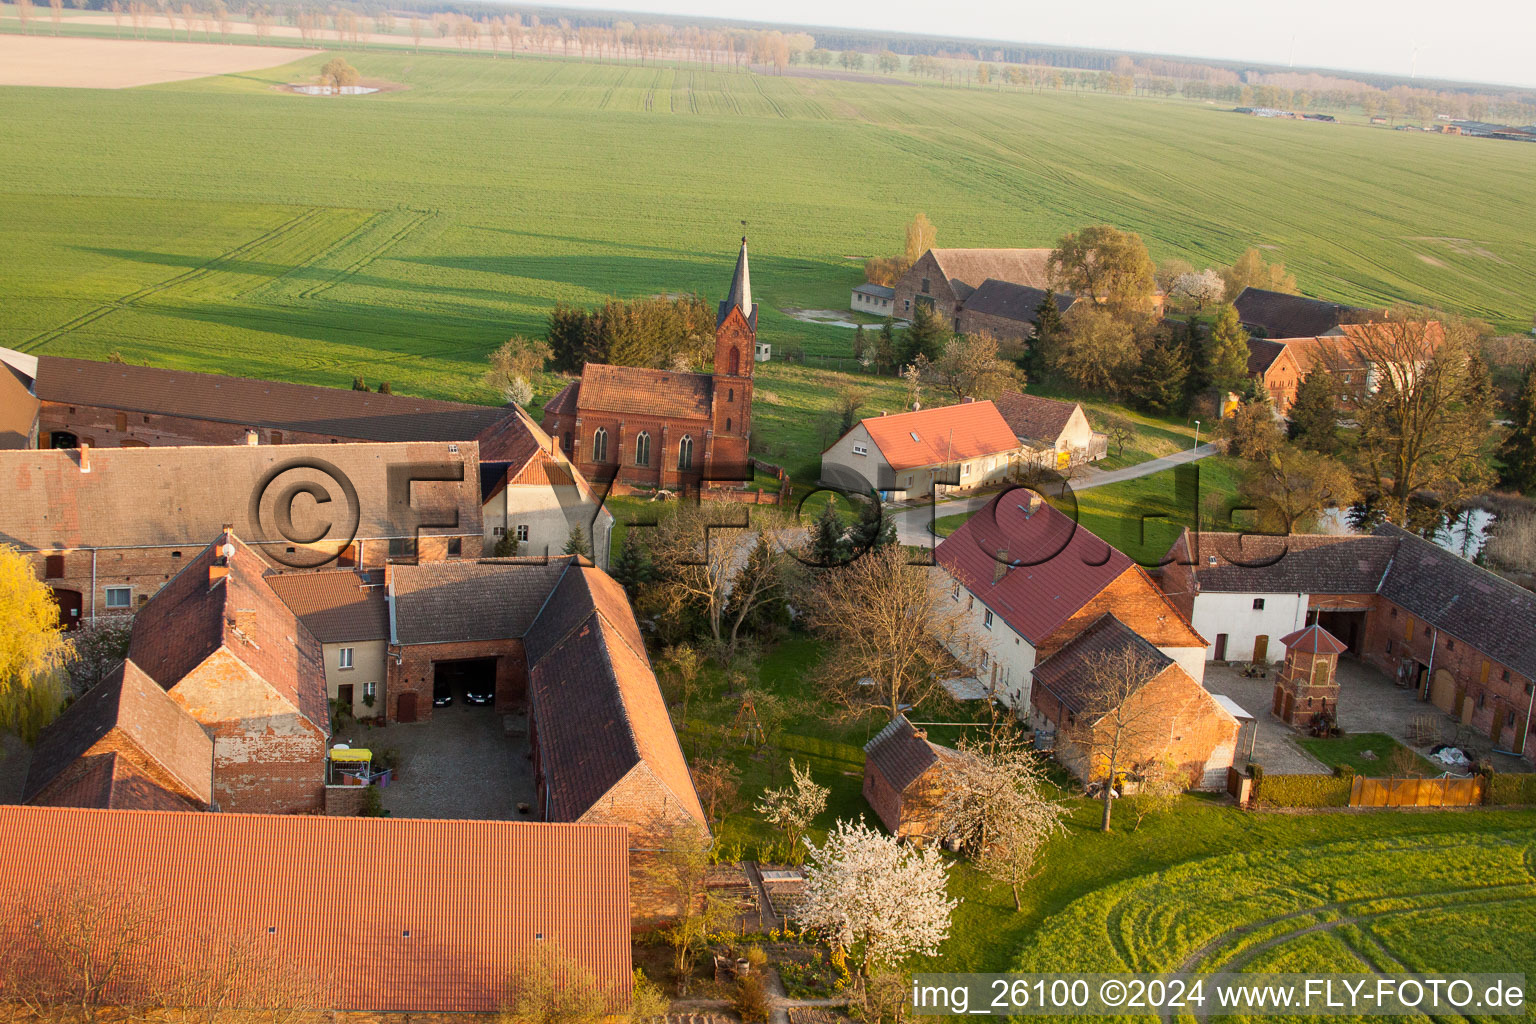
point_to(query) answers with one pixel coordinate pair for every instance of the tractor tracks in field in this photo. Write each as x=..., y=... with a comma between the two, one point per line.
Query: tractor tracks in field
x=414, y=219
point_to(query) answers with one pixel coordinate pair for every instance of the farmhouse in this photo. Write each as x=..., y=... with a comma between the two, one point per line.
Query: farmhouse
x=534, y=494
x=125, y=744
x=119, y=405
x=904, y=780
x=346, y=611
x=1160, y=713
x=1274, y=365
x=1030, y=579
x=1455, y=633
x=1281, y=315
x=874, y=299
x=1007, y=310
x=1053, y=433
x=943, y=279
x=235, y=658
x=669, y=429
x=347, y=914
x=931, y=451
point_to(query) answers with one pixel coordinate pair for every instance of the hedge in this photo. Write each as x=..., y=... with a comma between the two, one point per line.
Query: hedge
x=1302, y=790
x=1511, y=789
x=831, y=750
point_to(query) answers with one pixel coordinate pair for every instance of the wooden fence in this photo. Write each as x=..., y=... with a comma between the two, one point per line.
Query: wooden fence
x=1445, y=792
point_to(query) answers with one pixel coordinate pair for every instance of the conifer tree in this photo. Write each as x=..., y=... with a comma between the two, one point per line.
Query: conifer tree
x=1159, y=381
x=829, y=546
x=885, y=347
x=632, y=566
x=576, y=543
x=1314, y=420
x=1518, y=453
x=1226, y=352
x=873, y=530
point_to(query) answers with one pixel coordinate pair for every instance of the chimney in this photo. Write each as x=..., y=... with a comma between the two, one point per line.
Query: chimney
x=921, y=734
x=967, y=400
x=251, y=437
x=884, y=413
x=85, y=457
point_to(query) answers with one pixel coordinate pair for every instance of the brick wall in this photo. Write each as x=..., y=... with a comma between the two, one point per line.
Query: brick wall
x=910, y=288
x=911, y=813
x=344, y=801
x=666, y=433
x=413, y=673
x=654, y=817
x=1136, y=601
x=1001, y=327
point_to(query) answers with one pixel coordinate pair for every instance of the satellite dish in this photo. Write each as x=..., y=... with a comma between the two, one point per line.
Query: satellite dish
x=228, y=551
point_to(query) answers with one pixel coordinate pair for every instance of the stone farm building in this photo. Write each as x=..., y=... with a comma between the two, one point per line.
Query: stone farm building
x=1029, y=579
x=1159, y=713
x=1006, y=310
x=944, y=279
x=674, y=430
x=1455, y=633
x=905, y=780
x=347, y=612
x=352, y=915
x=119, y=405
x=1350, y=354
x=931, y=451
x=1270, y=314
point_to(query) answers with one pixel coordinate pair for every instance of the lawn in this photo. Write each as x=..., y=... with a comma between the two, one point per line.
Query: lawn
x=1347, y=751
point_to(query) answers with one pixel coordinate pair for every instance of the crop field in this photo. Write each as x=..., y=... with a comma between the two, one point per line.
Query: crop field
x=220, y=224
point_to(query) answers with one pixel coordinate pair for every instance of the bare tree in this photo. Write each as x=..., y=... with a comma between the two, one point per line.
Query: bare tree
x=1157, y=789
x=1290, y=485
x=703, y=555
x=677, y=876
x=682, y=668
x=970, y=368
x=996, y=808
x=718, y=783
x=56, y=13
x=1119, y=430
x=890, y=633
x=547, y=986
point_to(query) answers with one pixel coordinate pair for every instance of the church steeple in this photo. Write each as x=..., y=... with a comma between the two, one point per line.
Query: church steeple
x=740, y=295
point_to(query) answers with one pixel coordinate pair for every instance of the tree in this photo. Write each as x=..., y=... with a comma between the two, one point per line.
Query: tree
x=1314, y=418
x=794, y=807
x=996, y=809
x=1200, y=288
x=913, y=375
x=547, y=986
x=1107, y=265
x=677, y=875
x=34, y=651
x=1423, y=403
x=1159, y=787
x=873, y=530
x=577, y=544
x=338, y=73
x=860, y=342
x=921, y=236
x=358, y=384
x=1113, y=722
x=718, y=784
x=1291, y=486
x=1096, y=351
x=875, y=898
x=970, y=368
x=1168, y=273
x=828, y=544
x=1518, y=452
x=887, y=62
x=506, y=547
x=1119, y=430
x=1225, y=354
x=96, y=648
x=632, y=565
x=849, y=399
x=889, y=633
x=513, y=366
x=885, y=346
x=681, y=668
x=697, y=556
x=925, y=336
x=1250, y=271
x=1252, y=431
x=1159, y=382
x=851, y=59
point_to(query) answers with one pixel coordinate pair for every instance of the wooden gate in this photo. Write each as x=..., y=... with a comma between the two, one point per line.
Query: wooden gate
x=70, y=604
x=1442, y=691
x=1260, y=649
x=1445, y=792
x=405, y=708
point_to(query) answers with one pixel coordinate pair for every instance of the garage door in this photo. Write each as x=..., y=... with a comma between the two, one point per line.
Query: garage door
x=1442, y=692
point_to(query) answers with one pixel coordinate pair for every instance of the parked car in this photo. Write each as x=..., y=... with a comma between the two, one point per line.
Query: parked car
x=480, y=692
x=442, y=696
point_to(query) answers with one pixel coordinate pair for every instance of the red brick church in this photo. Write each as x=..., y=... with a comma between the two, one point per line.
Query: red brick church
x=663, y=428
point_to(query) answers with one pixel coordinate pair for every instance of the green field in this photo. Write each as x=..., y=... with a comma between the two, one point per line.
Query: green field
x=218, y=224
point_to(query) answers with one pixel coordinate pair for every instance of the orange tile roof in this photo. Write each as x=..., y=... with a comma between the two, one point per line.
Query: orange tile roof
x=371, y=914
x=933, y=437
x=637, y=389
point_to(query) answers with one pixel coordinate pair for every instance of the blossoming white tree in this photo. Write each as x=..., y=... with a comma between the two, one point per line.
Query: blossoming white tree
x=870, y=895
x=1201, y=288
x=795, y=806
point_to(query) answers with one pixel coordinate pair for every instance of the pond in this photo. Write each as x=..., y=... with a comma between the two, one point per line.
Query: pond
x=331, y=90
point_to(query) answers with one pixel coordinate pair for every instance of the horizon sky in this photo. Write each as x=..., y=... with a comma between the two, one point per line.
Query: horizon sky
x=1487, y=41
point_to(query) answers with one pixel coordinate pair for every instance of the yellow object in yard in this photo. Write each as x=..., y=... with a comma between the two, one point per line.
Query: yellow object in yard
x=352, y=755
x=1063, y=460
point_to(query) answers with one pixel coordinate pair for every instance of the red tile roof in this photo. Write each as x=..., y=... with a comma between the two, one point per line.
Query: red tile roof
x=639, y=390
x=565, y=401
x=935, y=437
x=191, y=618
x=336, y=605
x=126, y=713
x=357, y=909
x=900, y=754
x=1071, y=674
x=1033, y=418
x=1314, y=640
x=1060, y=565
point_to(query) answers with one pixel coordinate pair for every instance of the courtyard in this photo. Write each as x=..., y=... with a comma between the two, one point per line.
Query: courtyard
x=464, y=762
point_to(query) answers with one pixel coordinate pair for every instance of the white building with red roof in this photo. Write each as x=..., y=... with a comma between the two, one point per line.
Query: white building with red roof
x=930, y=451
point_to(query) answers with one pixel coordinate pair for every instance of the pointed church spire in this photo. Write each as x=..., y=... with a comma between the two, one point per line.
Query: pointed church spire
x=740, y=294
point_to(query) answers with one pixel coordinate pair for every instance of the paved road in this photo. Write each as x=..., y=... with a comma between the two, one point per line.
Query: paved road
x=912, y=524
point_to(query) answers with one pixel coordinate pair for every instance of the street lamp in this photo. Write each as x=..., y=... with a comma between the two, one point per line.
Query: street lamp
x=1197, y=435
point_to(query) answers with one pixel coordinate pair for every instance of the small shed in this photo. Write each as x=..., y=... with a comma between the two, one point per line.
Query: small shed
x=874, y=299
x=904, y=779
x=1308, y=684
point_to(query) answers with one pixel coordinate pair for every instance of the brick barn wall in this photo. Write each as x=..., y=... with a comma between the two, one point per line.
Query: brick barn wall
x=105, y=427
x=882, y=798
x=267, y=758
x=413, y=673
x=653, y=816
x=1136, y=601
x=1484, y=699
x=1001, y=327
x=909, y=288
x=344, y=801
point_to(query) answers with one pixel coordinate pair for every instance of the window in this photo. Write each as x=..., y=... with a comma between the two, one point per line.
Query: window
x=1482, y=701
x=119, y=597
x=906, y=305
x=370, y=690
x=122, y=422
x=453, y=449
x=986, y=661
x=1509, y=720
x=730, y=394
x=685, y=453
x=1505, y=677
x=986, y=620
x=735, y=362
x=522, y=533
x=965, y=470
x=643, y=448
x=1450, y=644
x=925, y=286
x=600, y=445
x=276, y=437
x=497, y=531
x=402, y=547
x=567, y=442
x=1258, y=604
x=1389, y=645
x=861, y=449
x=955, y=594
x=455, y=547
x=344, y=657
x=175, y=554
x=53, y=567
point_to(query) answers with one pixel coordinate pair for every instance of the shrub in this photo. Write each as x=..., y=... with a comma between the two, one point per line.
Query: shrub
x=750, y=1000
x=1511, y=789
x=1303, y=790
